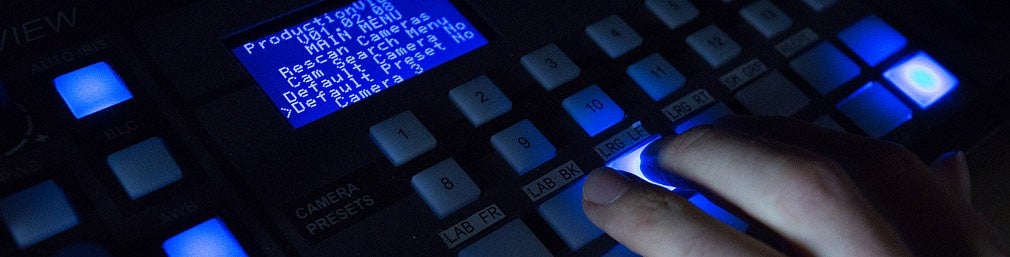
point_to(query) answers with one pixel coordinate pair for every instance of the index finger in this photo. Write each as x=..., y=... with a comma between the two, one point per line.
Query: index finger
x=803, y=196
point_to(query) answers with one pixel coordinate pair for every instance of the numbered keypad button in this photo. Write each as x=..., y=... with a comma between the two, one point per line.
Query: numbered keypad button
x=766, y=18
x=480, y=100
x=673, y=13
x=523, y=146
x=402, y=138
x=614, y=36
x=714, y=45
x=550, y=66
x=656, y=76
x=445, y=187
x=593, y=110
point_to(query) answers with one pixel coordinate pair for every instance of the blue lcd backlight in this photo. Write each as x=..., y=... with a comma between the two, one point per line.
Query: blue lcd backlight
x=91, y=89
x=210, y=238
x=922, y=79
x=341, y=57
x=873, y=40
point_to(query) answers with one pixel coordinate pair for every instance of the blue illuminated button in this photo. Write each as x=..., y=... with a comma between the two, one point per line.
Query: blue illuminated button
x=706, y=117
x=656, y=76
x=480, y=100
x=875, y=110
x=37, y=213
x=922, y=79
x=825, y=67
x=766, y=18
x=210, y=238
x=91, y=89
x=717, y=212
x=873, y=40
x=820, y=5
x=402, y=138
x=144, y=167
x=714, y=45
x=512, y=239
x=673, y=13
x=523, y=146
x=620, y=251
x=550, y=66
x=564, y=214
x=772, y=95
x=614, y=36
x=593, y=110
x=445, y=187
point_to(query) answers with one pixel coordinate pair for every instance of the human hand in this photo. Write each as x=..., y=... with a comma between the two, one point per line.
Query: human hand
x=824, y=193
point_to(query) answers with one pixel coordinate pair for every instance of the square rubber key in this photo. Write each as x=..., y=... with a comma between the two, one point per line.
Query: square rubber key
x=523, y=146
x=550, y=66
x=402, y=138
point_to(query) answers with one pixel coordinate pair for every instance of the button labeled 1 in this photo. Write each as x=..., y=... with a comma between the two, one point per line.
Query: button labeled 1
x=402, y=138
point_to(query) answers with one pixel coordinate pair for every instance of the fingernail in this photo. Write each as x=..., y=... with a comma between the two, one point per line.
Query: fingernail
x=604, y=186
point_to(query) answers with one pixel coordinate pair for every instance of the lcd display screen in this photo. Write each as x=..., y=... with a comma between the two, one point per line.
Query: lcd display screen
x=322, y=64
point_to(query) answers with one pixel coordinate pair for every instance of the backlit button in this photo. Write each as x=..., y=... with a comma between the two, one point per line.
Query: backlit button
x=593, y=110
x=91, y=89
x=564, y=214
x=825, y=67
x=550, y=66
x=706, y=117
x=766, y=18
x=673, y=13
x=144, y=167
x=820, y=5
x=445, y=187
x=922, y=79
x=714, y=45
x=402, y=138
x=873, y=40
x=614, y=36
x=210, y=238
x=523, y=146
x=512, y=239
x=656, y=76
x=875, y=110
x=772, y=95
x=37, y=213
x=480, y=100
